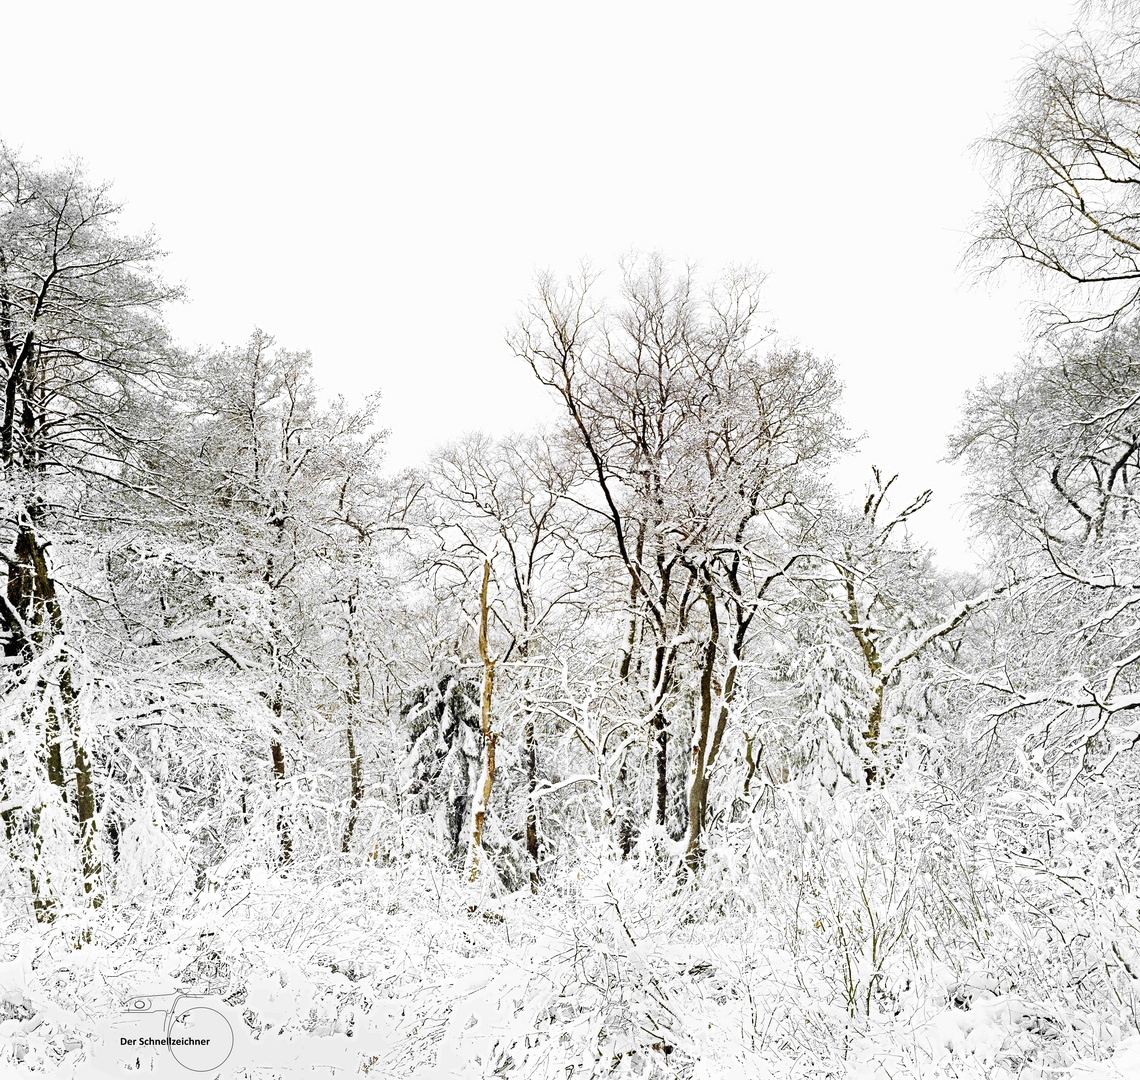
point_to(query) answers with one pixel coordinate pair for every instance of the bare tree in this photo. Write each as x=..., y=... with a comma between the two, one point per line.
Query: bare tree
x=698, y=446
x=1065, y=168
x=893, y=602
x=765, y=428
x=79, y=333
x=1053, y=449
x=509, y=503
x=282, y=488
x=625, y=380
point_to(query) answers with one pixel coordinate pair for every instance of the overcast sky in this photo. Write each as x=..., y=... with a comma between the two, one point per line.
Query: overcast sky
x=379, y=182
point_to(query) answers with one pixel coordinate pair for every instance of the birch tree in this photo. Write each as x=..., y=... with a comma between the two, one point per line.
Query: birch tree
x=1065, y=171
x=1053, y=449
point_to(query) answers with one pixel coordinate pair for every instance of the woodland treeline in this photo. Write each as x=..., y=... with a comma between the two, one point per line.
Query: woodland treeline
x=651, y=636
x=224, y=618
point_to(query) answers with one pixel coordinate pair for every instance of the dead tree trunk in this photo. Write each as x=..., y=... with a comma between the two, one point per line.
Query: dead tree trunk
x=490, y=738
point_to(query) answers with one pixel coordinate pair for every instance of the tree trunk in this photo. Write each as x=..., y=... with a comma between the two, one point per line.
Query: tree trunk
x=530, y=749
x=625, y=817
x=89, y=852
x=698, y=771
x=34, y=620
x=90, y=862
x=356, y=772
x=530, y=757
x=482, y=802
x=708, y=739
x=869, y=645
x=872, y=734
x=487, y=778
x=631, y=640
x=751, y=759
x=662, y=739
x=277, y=702
x=283, y=833
x=355, y=761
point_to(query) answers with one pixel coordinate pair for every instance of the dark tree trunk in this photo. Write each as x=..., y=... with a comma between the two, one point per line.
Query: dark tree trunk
x=34, y=619
x=356, y=794
x=662, y=739
x=89, y=852
x=625, y=817
x=530, y=751
x=283, y=834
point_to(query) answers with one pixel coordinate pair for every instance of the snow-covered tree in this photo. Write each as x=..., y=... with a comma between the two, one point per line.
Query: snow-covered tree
x=81, y=337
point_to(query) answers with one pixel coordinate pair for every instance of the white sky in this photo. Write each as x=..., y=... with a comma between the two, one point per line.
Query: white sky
x=378, y=182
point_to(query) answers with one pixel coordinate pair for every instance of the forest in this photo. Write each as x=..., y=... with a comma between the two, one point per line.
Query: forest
x=626, y=746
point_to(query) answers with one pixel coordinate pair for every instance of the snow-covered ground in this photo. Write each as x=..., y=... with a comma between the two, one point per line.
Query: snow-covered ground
x=839, y=968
